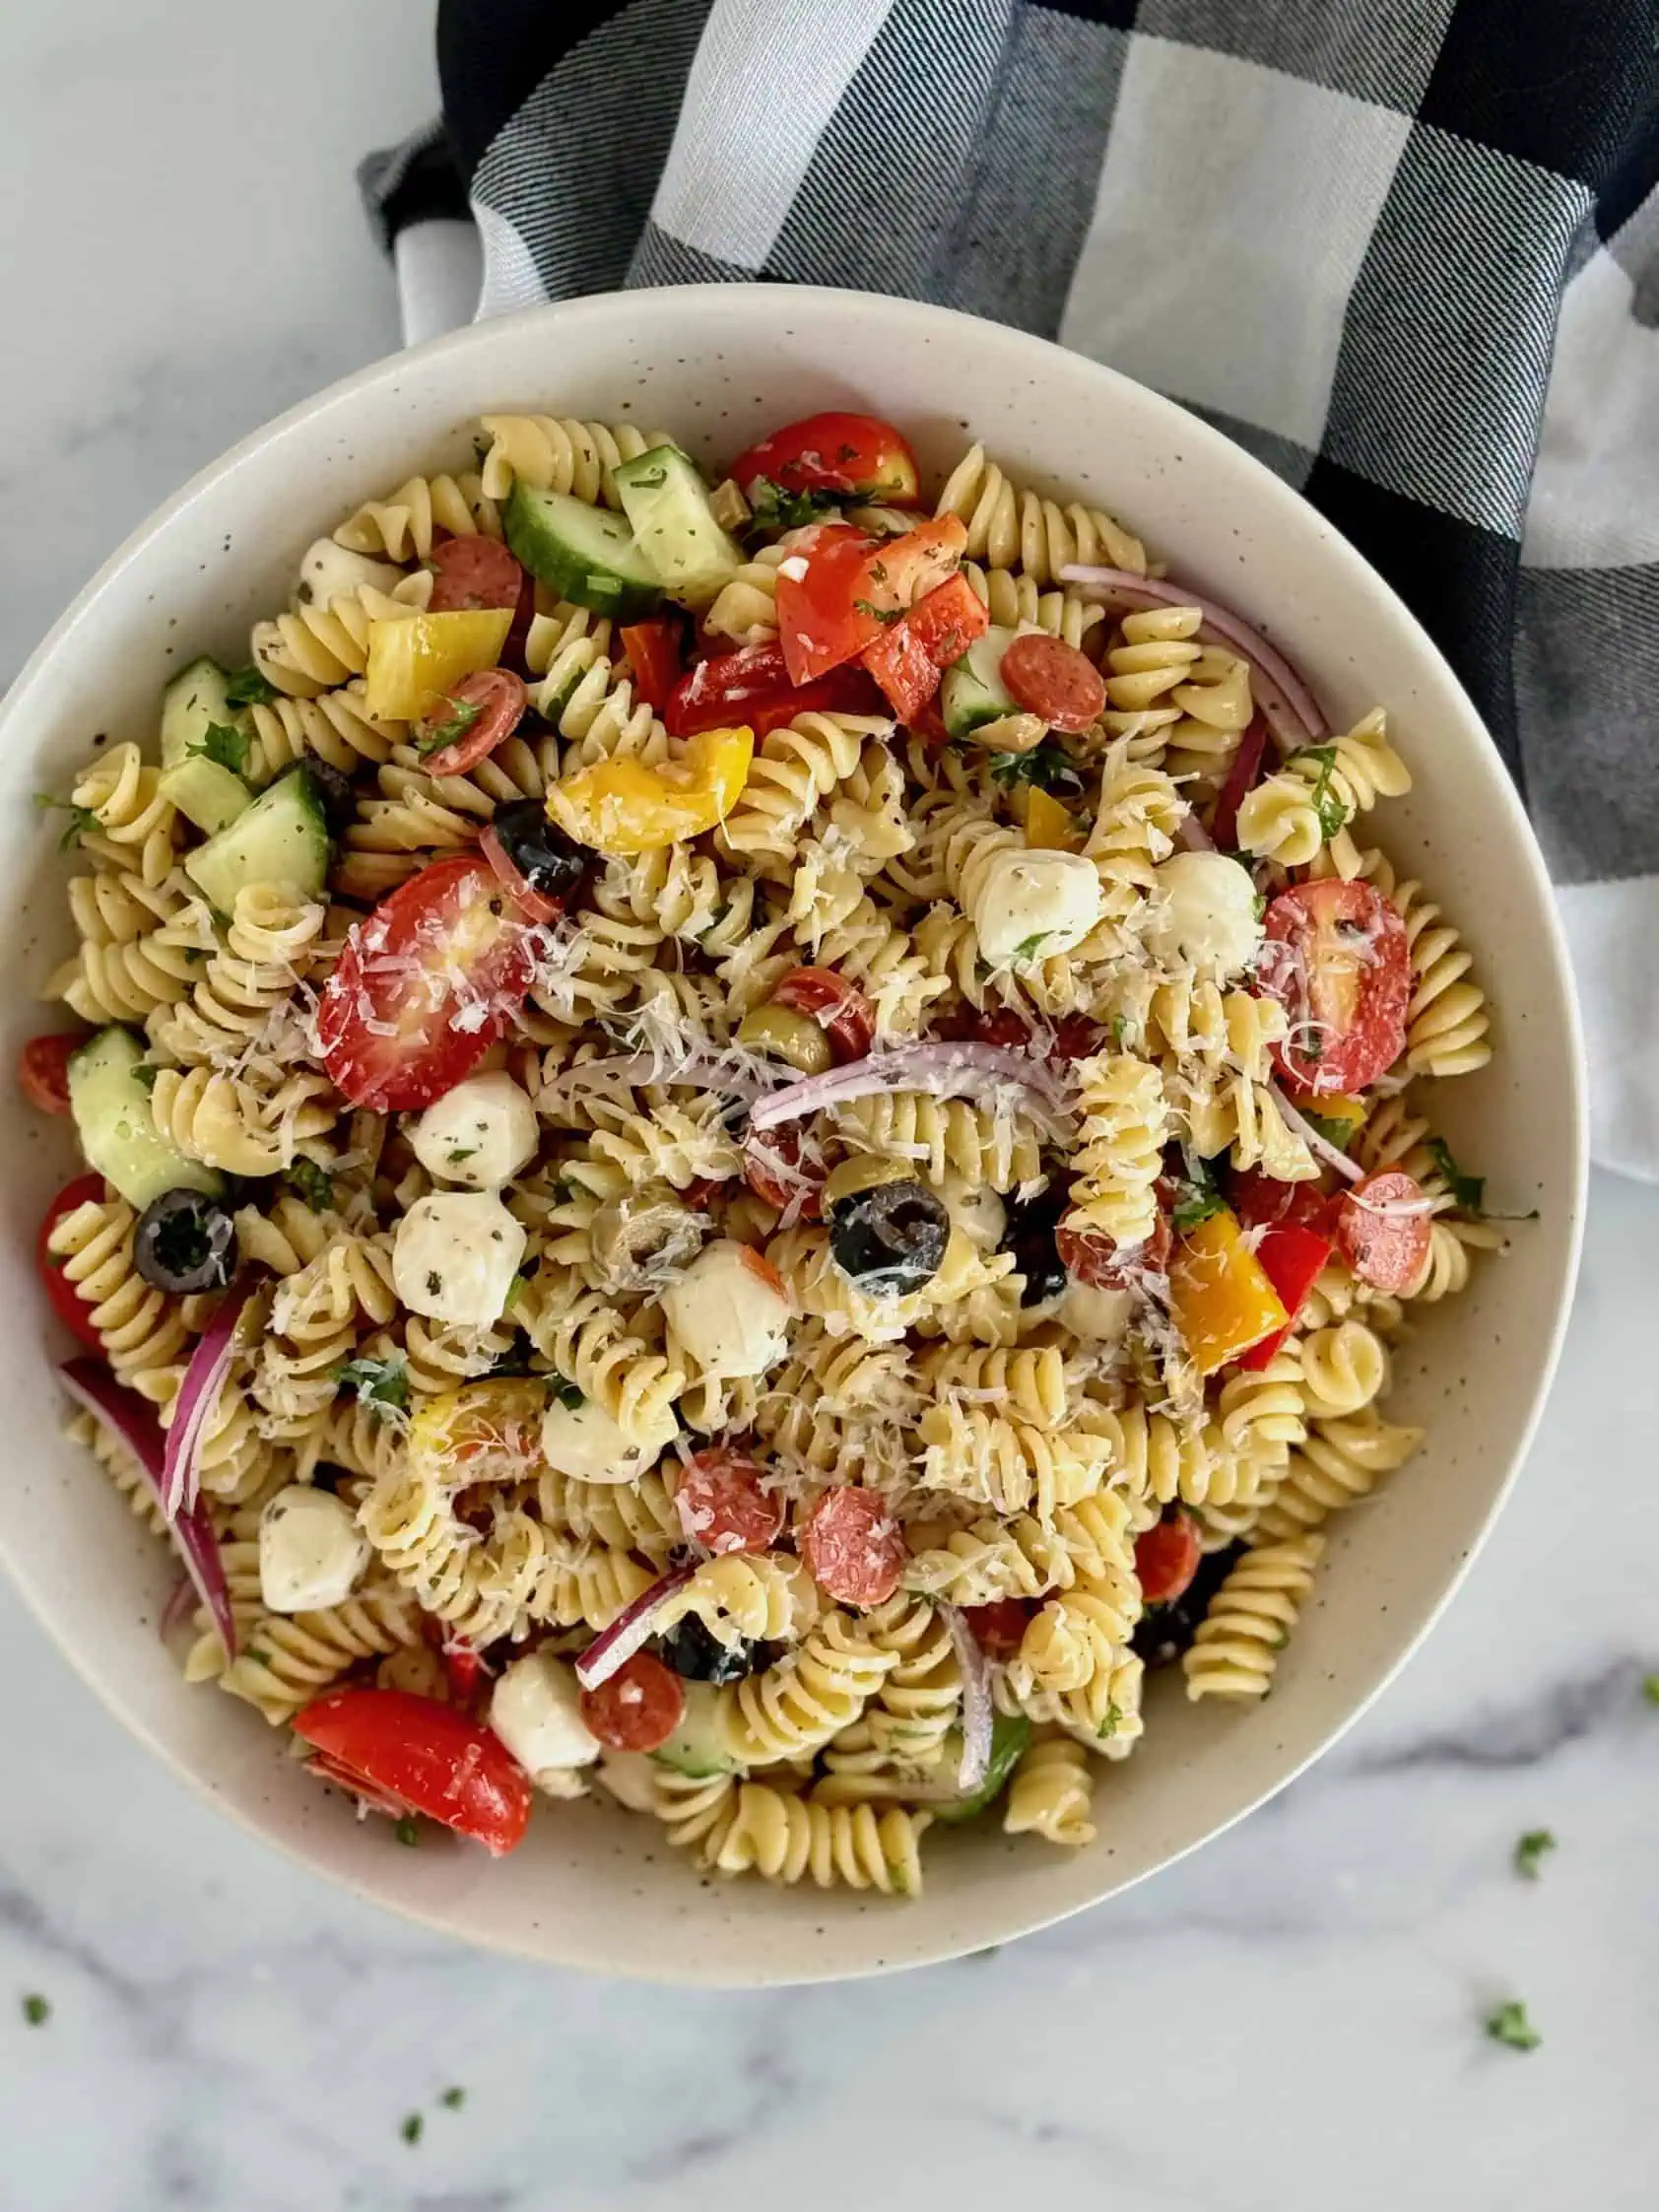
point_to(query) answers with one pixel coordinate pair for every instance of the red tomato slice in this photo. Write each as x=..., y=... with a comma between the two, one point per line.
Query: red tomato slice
x=1052, y=679
x=533, y=904
x=774, y=1168
x=480, y=713
x=853, y=1546
x=999, y=1627
x=638, y=1707
x=424, y=985
x=904, y=667
x=1166, y=1557
x=1292, y=1255
x=464, y=1670
x=653, y=654
x=816, y=626
x=66, y=1302
x=752, y=685
x=1384, y=1231
x=1241, y=782
x=1345, y=978
x=469, y=572
x=724, y=1505
x=839, y=1008
x=857, y=456
x=1092, y=1257
x=44, y=1071
x=949, y=620
x=424, y=1754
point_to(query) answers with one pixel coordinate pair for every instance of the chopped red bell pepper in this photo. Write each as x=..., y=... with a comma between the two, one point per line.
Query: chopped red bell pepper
x=852, y=585
x=904, y=667
x=1292, y=1256
x=653, y=654
x=752, y=685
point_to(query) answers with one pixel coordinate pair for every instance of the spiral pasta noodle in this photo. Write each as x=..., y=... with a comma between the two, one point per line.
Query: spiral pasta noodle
x=1249, y=1621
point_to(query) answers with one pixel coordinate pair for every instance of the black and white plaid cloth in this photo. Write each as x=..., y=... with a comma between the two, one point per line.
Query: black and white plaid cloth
x=1407, y=251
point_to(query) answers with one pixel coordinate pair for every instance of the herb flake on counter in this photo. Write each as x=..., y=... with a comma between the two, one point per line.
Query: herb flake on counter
x=452, y=2100
x=1509, y=2025
x=411, y=2127
x=1530, y=1850
x=36, y=2010
x=407, y=1830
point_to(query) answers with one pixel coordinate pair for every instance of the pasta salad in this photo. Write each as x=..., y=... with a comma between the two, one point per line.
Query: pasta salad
x=744, y=1145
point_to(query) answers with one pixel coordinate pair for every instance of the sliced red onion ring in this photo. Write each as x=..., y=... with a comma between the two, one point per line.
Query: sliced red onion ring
x=1320, y=1146
x=1192, y=836
x=1281, y=694
x=198, y=1395
x=976, y=1712
x=613, y=1646
x=943, y=1070
x=91, y=1383
x=180, y=1600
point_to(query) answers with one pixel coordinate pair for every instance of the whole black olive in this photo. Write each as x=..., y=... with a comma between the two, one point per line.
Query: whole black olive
x=1030, y=1237
x=550, y=862
x=332, y=789
x=695, y=1653
x=186, y=1242
x=1164, y=1631
x=892, y=1237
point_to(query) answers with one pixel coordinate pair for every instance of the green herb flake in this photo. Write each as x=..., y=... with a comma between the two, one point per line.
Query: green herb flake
x=145, y=1074
x=310, y=1184
x=466, y=712
x=462, y=1153
x=569, y=1395
x=452, y=2100
x=1327, y=802
x=1650, y=1687
x=1049, y=767
x=1198, y=1196
x=225, y=745
x=1120, y=1030
x=1112, y=1722
x=407, y=1831
x=410, y=2128
x=36, y=2010
x=1509, y=2025
x=1332, y=1127
x=1027, y=947
x=1530, y=1850
x=1468, y=1191
x=877, y=614
x=82, y=819
x=248, y=688
x=378, y=1383
x=775, y=507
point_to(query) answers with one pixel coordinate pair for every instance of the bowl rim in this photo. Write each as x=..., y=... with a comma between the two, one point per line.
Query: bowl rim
x=1286, y=507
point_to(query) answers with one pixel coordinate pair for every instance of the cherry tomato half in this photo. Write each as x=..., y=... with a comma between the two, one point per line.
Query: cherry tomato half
x=839, y=1008
x=467, y=724
x=999, y=1627
x=775, y=1168
x=44, y=1071
x=66, y=1302
x=638, y=1707
x=853, y=1546
x=423, y=1753
x=752, y=685
x=856, y=456
x=471, y=573
x=424, y=985
x=853, y=587
x=1089, y=1256
x=1385, y=1231
x=653, y=654
x=724, y=1505
x=1166, y=1557
x=1345, y=980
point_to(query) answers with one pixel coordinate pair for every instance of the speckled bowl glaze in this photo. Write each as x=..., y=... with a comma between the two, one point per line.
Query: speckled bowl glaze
x=593, y=1886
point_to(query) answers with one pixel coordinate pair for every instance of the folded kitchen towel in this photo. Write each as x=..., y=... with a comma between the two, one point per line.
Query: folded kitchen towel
x=1408, y=253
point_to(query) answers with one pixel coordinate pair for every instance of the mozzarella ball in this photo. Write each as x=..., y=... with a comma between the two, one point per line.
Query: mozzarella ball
x=536, y=1710
x=729, y=1312
x=330, y=572
x=1204, y=915
x=455, y=1257
x=1029, y=905
x=1091, y=1311
x=481, y=1133
x=584, y=1441
x=310, y=1550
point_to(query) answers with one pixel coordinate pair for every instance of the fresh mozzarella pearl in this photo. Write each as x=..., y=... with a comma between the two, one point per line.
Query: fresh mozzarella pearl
x=584, y=1441
x=310, y=1550
x=536, y=1711
x=728, y=1311
x=1029, y=905
x=1203, y=913
x=628, y=1775
x=455, y=1257
x=330, y=572
x=481, y=1133
x=1091, y=1311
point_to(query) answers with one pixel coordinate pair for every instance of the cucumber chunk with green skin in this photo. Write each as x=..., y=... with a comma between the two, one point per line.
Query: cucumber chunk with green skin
x=972, y=692
x=203, y=742
x=667, y=502
x=195, y=702
x=282, y=839
x=694, y=1747
x=585, y=554
x=1011, y=1733
x=111, y=1105
x=206, y=794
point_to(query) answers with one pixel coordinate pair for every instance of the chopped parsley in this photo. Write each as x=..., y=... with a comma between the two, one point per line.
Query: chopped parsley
x=1328, y=803
x=776, y=509
x=652, y=480
x=1650, y=1687
x=225, y=745
x=1509, y=2025
x=1198, y=1196
x=877, y=614
x=410, y=2128
x=1468, y=1191
x=1112, y=1723
x=82, y=819
x=1028, y=946
x=145, y=1074
x=517, y=1284
x=1120, y=1030
x=1530, y=1850
x=1333, y=1128
x=571, y=1395
x=378, y=1383
x=462, y=1152
x=309, y=1184
x=407, y=1831
x=1049, y=767
x=452, y=2100
x=36, y=2010
x=248, y=688
x=466, y=712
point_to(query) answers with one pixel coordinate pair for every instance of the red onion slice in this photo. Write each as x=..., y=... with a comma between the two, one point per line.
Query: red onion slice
x=976, y=1712
x=1240, y=783
x=123, y=1411
x=1192, y=836
x=943, y=1070
x=1320, y=1146
x=198, y=1395
x=1281, y=694
x=613, y=1646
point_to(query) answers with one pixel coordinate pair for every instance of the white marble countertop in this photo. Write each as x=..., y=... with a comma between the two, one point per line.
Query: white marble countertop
x=1291, y=2020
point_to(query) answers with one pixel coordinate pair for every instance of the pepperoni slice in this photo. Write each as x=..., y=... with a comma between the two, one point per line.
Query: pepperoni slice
x=998, y=1627
x=775, y=1168
x=44, y=1071
x=470, y=721
x=469, y=572
x=724, y=1505
x=1089, y=1256
x=638, y=1707
x=1166, y=1557
x=839, y=1008
x=1002, y=1026
x=1050, y=678
x=1384, y=1231
x=853, y=1546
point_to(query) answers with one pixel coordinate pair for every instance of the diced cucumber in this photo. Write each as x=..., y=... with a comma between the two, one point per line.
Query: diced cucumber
x=674, y=525
x=1009, y=1734
x=200, y=782
x=972, y=692
x=197, y=699
x=585, y=554
x=694, y=1747
x=111, y=1105
x=206, y=794
x=282, y=839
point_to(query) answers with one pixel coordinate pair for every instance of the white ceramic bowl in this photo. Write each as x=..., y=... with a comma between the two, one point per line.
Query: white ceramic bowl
x=594, y=1888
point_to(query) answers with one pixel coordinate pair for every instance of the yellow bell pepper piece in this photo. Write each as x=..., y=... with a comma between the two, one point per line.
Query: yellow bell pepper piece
x=1220, y=1294
x=485, y=1430
x=413, y=663
x=1050, y=827
x=624, y=807
x=1343, y=1107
